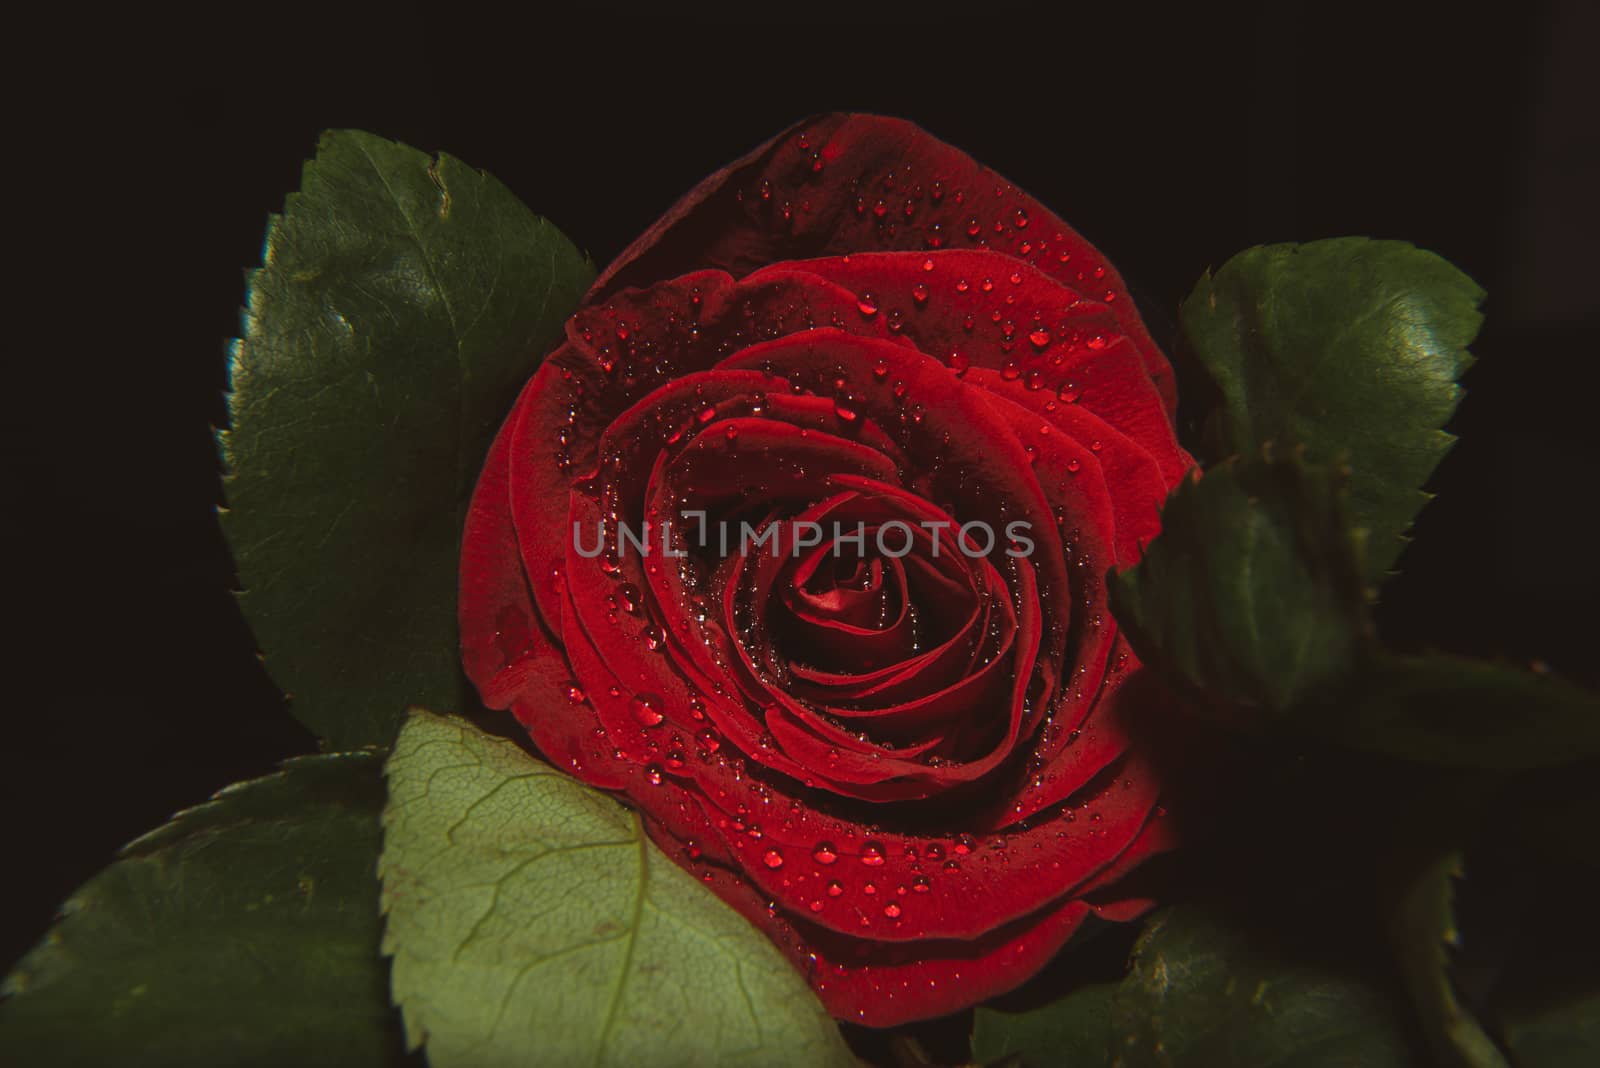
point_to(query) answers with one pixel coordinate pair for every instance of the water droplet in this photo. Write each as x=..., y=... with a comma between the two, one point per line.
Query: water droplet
x=1068, y=393
x=732, y=433
x=575, y=693
x=919, y=293
x=628, y=598
x=1020, y=219
x=825, y=853
x=892, y=910
x=927, y=265
x=1040, y=338
x=772, y=859
x=881, y=371
x=835, y=889
x=652, y=774
x=867, y=305
x=872, y=854
x=921, y=885
x=646, y=709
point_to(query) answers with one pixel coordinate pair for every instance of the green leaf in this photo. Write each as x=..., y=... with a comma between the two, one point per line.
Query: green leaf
x=1073, y=1031
x=1201, y=993
x=1422, y=928
x=1350, y=347
x=1560, y=1033
x=243, y=932
x=1252, y=592
x=400, y=304
x=1204, y=993
x=531, y=920
x=1448, y=710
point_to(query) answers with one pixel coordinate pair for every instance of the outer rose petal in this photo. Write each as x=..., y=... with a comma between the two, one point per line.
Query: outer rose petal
x=883, y=184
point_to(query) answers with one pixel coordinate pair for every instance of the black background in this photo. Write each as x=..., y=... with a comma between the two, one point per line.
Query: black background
x=1171, y=141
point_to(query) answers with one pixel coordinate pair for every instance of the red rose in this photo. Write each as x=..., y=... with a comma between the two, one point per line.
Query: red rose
x=900, y=750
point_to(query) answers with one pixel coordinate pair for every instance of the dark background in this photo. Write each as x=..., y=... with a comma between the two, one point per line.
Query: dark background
x=1170, y=141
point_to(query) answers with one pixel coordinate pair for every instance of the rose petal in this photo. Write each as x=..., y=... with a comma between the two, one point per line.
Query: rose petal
x=884, y=185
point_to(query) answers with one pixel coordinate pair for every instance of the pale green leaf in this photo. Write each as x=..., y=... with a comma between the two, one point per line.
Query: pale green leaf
x=531, y=921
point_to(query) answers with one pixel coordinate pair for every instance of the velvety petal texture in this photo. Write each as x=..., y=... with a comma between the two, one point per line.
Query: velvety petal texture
x=799, y=542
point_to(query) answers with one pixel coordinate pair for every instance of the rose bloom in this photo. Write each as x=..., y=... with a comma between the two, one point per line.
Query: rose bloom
x=915, y=770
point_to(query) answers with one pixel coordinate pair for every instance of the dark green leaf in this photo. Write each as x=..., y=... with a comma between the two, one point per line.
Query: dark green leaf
x=1350, y=347
x=243, y=932
x=1253, y=591
x=1072, y=1032
x=1423, y=928
x=1454, y=711
x=1563, y=1034
x=400, y=304
x=529, y=912
x=1203, y=994
x=1557, y=1032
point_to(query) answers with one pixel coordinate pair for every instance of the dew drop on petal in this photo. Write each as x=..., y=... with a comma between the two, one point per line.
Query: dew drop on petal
x=646, y=709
